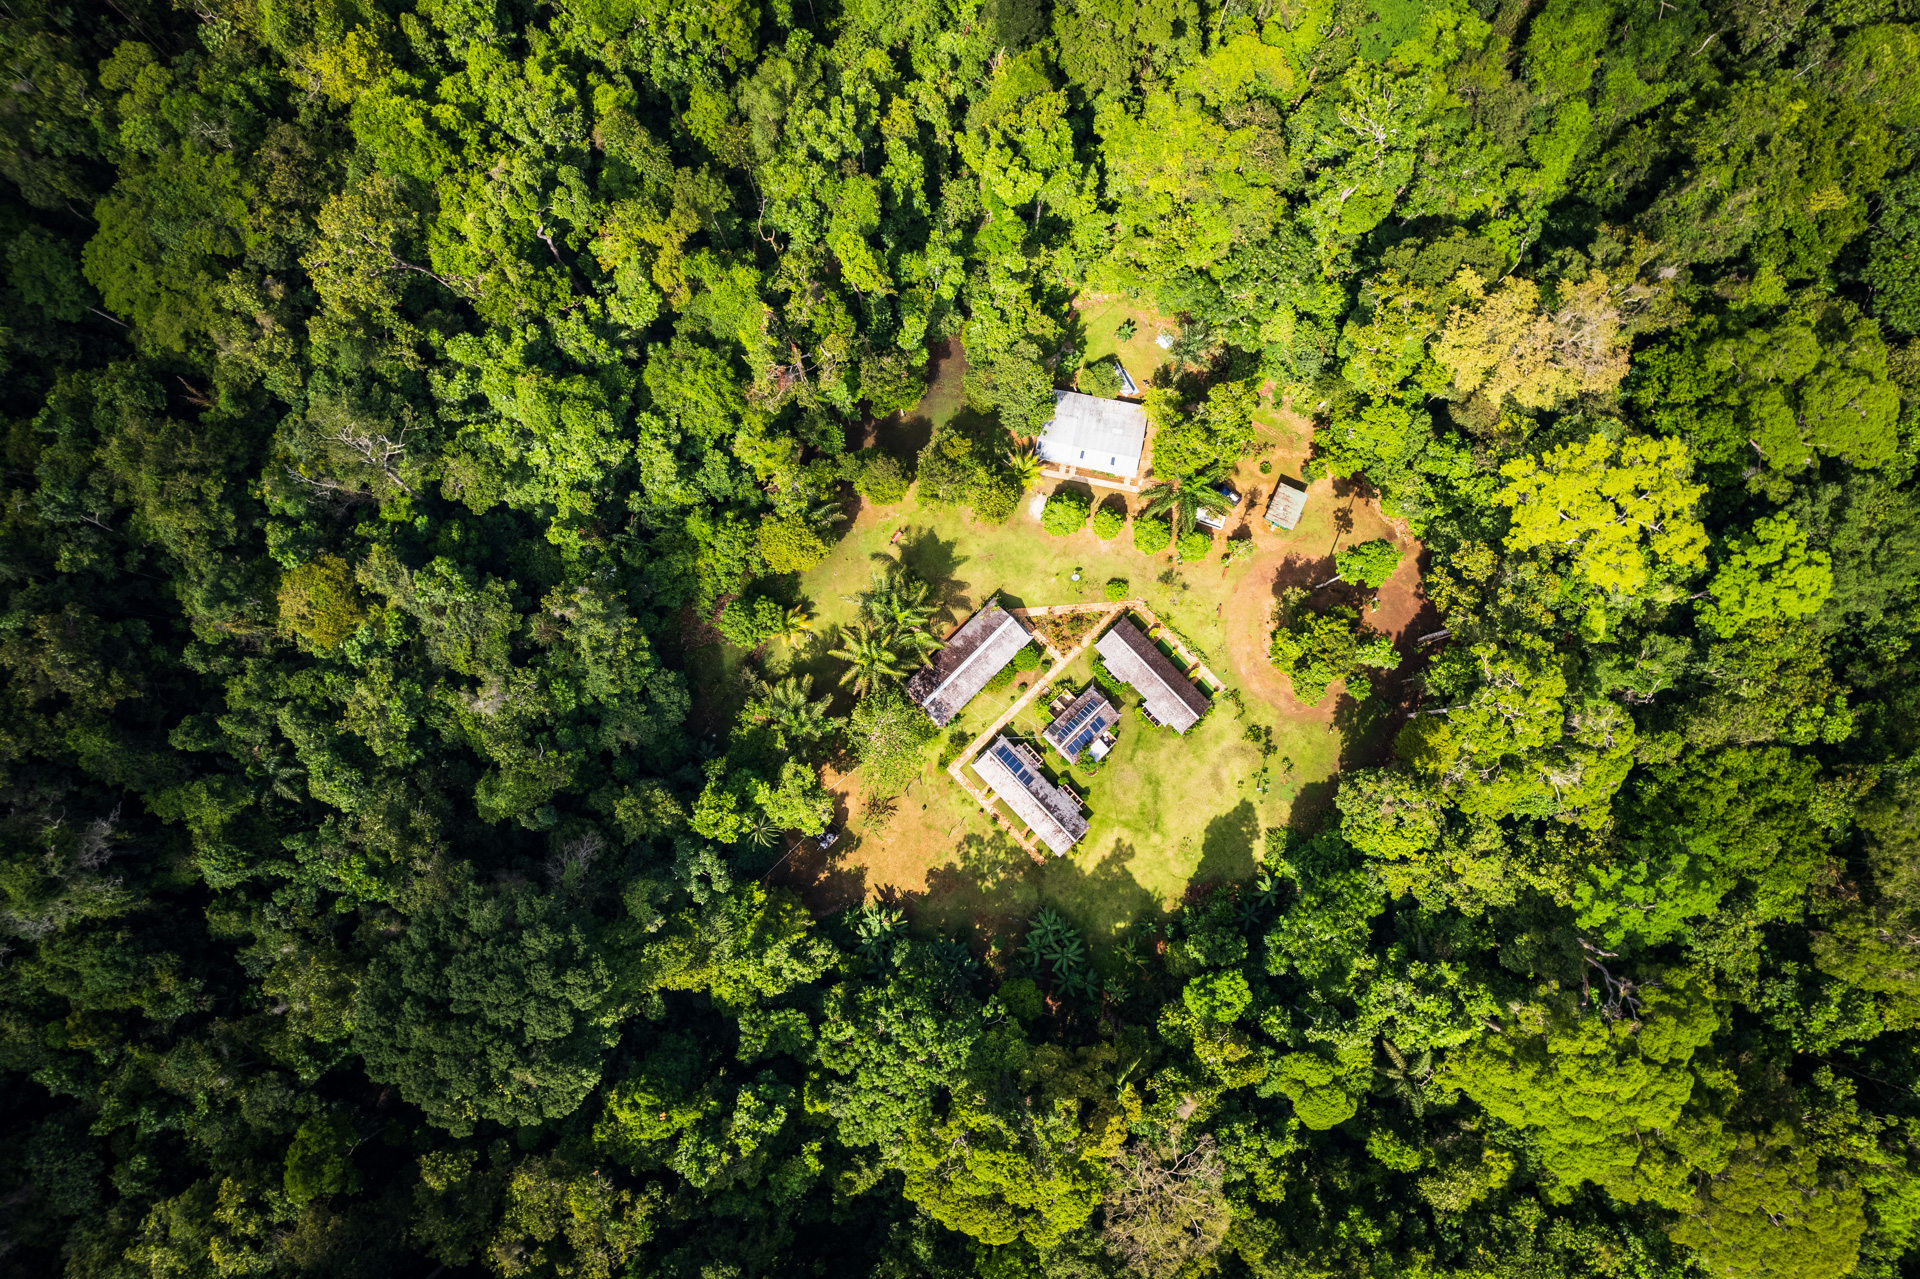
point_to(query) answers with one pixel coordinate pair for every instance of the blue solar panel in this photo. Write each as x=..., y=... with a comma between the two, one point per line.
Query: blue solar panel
x=1014, y=764
x=1077, y=730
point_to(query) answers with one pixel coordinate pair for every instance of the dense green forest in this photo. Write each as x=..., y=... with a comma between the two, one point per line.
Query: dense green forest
x=399, y=393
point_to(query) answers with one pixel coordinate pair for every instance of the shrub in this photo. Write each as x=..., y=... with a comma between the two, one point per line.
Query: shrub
x=890, y=381
x=995, y=501
x=1369, y=563
x=1066, y=512
x=1108, y=520
x=1117, y=588
x=1150, y=537
x=1266, y=468
x=789, y=544
x=1028, y=658
x=1021, y=997
x=951, y=745
x=890, y=735
x=1106, y=680
x=1316, y=649
x=747, y=623
x=1001, y=678
x=1195, y=545
x=1101, y=378
x=1218, y=997
x=876, y=475
x=968, y=468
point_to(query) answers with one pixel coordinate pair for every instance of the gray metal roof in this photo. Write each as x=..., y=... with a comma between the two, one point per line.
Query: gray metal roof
x=1098, y=434
x=973, y=655
x=1285, y=508
x=1012, y=770
x=1169, y=695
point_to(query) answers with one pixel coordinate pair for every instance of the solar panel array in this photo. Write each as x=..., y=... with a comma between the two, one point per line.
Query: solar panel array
x=1080, y=728
x=1014, y=764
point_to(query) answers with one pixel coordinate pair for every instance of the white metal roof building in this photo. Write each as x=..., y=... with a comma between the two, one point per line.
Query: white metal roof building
x=1095, y=434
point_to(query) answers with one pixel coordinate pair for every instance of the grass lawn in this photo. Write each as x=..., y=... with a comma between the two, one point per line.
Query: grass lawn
x=1165, y=810
x=1100, y=322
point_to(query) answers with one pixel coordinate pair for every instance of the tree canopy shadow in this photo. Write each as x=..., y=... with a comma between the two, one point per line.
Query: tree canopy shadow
x=935, y=562
x=1227, y=847
x=1301, y=571
x=1079, y=487
x=1366, y=728
x=1313, y=804
x=992, y=887
x=821, y=878
x=903, y=435
x=986, y=882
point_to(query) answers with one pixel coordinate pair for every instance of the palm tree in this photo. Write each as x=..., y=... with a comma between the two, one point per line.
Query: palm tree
x=795, y=623
x=895, y=600
x=1193, y=343
x=872, y=658
x=824, y=515
x=1025, y=462
x=899, y=607
x=1179, y=500
x=1405, y=1079
x=791, y=708
x=916, y=645
x=760, y=832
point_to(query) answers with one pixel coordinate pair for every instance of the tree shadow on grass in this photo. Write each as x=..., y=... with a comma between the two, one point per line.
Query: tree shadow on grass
x=1101, y=900
x=991, y=887
x=1313, y=805
x=1227, y=847
x=821, y=878
x=1303, y=571
x=937, y=563
x=987, y=882
x=904, y=435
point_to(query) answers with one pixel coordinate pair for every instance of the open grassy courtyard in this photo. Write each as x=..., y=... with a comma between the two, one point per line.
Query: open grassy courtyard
x=1166, y=811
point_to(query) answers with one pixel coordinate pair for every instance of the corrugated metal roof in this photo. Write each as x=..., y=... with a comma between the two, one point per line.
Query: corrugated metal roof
x=1285, y=508
x=973, y=655
x=1013, y=772
x=1169, y=695
x=1098, y=434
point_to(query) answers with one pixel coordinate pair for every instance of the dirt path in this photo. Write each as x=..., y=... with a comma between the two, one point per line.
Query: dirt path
x=1404, y=612
x=1248, y=614
x=1298, y=559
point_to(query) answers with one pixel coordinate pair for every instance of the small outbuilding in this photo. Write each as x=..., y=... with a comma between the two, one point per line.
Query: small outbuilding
x=1012, y=771
x=1084, y=724
x=1095, y=434
x=973, y=655
x=1286, y=507
x=1166, y=694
